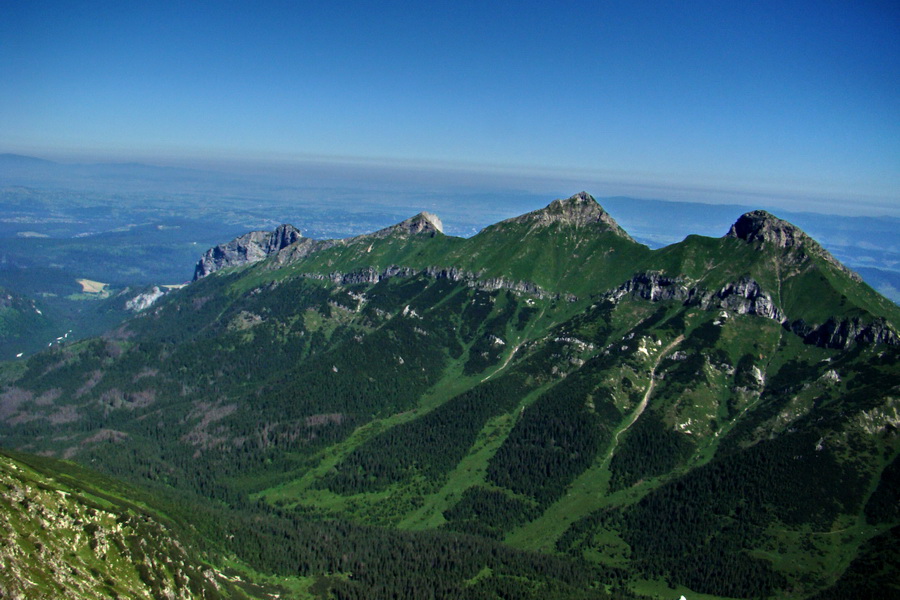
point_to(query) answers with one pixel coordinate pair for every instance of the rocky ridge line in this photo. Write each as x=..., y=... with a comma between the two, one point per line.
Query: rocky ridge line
x=288, y=245
x=746, y=297
x=371, y=275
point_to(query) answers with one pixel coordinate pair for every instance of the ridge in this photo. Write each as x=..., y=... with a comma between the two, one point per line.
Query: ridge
x=288, y=244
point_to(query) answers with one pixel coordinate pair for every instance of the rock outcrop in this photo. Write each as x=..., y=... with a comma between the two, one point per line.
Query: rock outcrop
x=744, y=297
x=842, y=333
x=145, y=300
x=303, y=248
x=475, y=280
x=247, y=249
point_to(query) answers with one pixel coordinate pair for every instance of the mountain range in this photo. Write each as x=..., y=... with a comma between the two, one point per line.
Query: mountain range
x=546, y=409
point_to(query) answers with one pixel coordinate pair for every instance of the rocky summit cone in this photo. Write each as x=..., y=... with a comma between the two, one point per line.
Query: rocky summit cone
x=580, y=210
x=760, y=225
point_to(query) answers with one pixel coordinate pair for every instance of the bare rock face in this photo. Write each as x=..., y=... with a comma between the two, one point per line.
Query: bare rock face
x=301, y=249
x=145, y=300
x=580, y=210
x=247, y=249
x=288, y=245
x=842, y=333
x=745, y=296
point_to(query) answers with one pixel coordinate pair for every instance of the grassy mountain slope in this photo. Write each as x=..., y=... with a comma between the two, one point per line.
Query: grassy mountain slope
x=719, y=414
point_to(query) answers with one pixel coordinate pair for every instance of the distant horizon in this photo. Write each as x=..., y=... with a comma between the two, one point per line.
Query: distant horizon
x=444, y=174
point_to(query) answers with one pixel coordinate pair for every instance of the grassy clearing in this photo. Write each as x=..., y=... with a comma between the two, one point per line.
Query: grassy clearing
x=89, y=286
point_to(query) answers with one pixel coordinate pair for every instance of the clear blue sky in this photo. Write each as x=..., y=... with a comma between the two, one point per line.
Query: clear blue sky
x=783, y=97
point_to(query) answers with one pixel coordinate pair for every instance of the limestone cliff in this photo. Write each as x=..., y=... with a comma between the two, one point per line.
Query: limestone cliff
x=247, y=249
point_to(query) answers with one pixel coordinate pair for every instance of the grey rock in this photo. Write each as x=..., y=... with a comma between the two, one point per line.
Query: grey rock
x=843, y=333
x=747, y=297
x=761, y=226
x=247, y=249
x=744, y=296
x=423, y=223
x=145, y=300
x=287, y=245
x=301, y=249
x=371, y=275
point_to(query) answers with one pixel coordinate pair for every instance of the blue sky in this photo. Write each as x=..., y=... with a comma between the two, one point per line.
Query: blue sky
x=778, y=99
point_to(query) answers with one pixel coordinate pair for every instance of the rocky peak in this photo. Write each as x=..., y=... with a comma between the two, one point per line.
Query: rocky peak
x=249, y=248
x=761, y=226
x=580, y=210
x=423, y=223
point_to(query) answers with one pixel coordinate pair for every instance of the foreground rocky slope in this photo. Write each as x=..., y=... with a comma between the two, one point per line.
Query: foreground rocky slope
x=719, y=415
x=63, y=537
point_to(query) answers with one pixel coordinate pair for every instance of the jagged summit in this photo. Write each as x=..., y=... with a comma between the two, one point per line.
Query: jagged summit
x=579, y=210
x=762, y=226
x=759, y=225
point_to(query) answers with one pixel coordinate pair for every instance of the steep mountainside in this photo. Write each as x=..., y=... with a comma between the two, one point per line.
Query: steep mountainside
x=718, y=416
